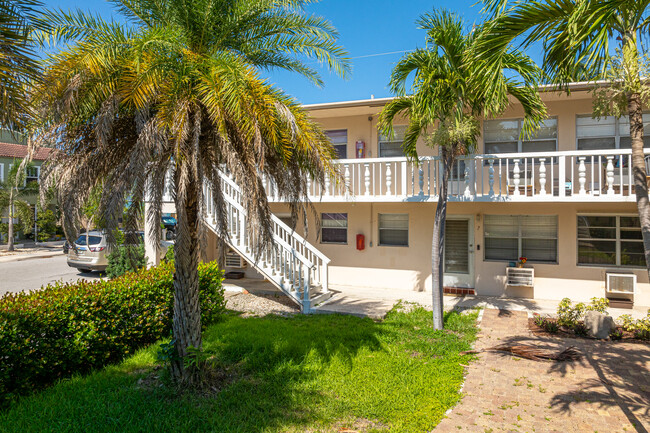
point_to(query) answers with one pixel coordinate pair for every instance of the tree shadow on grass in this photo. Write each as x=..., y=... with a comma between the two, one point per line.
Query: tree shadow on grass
x=617, y=376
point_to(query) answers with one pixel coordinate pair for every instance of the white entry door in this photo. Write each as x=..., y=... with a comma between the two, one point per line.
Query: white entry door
x=459, y=252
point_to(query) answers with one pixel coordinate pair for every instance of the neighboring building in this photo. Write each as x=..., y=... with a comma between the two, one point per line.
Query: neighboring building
x=565, y=200
x=14, y=153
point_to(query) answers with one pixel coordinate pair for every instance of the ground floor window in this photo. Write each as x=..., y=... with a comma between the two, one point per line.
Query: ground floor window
x=610, y=240
x=334, y=228
x=394, y=229
x=508, y=237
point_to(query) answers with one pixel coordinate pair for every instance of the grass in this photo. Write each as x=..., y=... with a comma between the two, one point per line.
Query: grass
x=299, y=374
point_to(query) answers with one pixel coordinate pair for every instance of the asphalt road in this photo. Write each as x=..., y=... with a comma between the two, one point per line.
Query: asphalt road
x=34, y=273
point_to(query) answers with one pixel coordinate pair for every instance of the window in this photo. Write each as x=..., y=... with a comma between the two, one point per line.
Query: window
x=339, y=139
x=394, y=229
x=2, y=172
x=508, y=237
x=610, y=240
x=392, y=147
x=607, y=132
x=503, y=136
x=334, y=228
x=32, y=174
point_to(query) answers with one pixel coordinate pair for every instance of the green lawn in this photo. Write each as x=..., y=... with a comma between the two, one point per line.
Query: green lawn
x=299, y=374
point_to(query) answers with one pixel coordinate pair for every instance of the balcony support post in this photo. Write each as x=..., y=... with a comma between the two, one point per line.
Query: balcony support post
x=542, y=176
x=582, y=175
x=491, y=176
x=515, y=176
x=610, y=175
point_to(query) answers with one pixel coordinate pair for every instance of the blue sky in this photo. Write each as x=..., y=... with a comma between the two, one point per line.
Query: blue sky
x=366, y=27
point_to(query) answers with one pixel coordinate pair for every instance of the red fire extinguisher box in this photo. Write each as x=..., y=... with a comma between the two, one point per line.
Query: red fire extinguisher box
x=361, y=242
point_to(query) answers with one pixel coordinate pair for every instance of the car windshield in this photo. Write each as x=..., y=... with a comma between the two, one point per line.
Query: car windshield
x=92, y=240
x=169, y=220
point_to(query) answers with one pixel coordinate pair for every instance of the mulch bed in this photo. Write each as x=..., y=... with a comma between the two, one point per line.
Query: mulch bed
x=628, y=337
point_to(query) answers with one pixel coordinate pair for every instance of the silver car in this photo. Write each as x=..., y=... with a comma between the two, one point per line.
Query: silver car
x=89, y=252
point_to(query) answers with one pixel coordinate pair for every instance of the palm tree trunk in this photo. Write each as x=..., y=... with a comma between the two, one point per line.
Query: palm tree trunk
x=639, y=171
x=187, y=315
x=10, y=224
x=438, y=242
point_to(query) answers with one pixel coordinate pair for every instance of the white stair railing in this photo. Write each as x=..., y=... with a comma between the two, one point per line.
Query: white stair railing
x=292, y=264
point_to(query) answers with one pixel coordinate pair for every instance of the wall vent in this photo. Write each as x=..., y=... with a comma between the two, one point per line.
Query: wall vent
x=234, y=260
x=621, y=283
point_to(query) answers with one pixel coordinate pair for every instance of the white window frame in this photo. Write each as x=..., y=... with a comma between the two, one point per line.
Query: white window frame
x=38, y=173
x=617, y=240
x=520, y=241
x=347, y=141
x=617, y=130
x=392, y=141
x=379, y=229
x=322, y=241
x=2, y=171
x=520, y=141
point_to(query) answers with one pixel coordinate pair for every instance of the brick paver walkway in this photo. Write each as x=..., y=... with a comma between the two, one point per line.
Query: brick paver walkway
x=607, y=391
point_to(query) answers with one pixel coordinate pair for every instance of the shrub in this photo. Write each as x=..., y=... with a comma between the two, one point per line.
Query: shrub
x=640, y=328
x=616, y=334
x=570, y=316
x=551, y=326
x=125, y=258
x=67, y=329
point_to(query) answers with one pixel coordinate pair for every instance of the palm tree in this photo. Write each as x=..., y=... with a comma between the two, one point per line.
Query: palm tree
x=13, y=192
x=447, y=97
x=588, y=40
x=179, y=89
x=18, y=66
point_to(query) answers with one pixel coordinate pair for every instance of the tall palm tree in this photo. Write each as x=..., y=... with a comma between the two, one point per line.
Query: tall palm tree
x=13, y=192
x=587, y=40
x=179, y=88
x=447, y=97
x=18, y=66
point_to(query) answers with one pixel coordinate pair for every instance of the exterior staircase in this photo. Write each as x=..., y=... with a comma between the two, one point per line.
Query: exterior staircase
x=292, y=264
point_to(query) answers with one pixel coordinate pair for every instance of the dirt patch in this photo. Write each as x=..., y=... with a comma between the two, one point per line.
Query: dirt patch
x=563, y=332
x=353, y=425
x=252, y=305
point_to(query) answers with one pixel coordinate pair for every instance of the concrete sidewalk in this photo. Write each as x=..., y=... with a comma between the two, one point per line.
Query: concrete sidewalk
x=376, y=303
x=32, y=252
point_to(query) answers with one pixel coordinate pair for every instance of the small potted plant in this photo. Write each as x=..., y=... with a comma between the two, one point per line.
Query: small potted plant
x=522, y=261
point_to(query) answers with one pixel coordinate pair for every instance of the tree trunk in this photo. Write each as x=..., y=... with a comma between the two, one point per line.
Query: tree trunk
x=10, y=224
x=187, y=313
x=438, y=243
x=639, y=171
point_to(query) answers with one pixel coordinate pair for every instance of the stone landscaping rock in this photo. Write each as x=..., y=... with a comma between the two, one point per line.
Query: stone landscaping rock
x=598, y=325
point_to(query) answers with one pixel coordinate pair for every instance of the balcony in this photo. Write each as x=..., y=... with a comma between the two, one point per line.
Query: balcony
x=589, y=176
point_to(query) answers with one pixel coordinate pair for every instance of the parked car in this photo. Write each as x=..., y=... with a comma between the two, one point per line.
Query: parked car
x=90, y=251
x=169, y=223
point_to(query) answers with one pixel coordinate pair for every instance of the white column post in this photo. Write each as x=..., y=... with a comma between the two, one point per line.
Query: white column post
x=515, y=176
x=366, y=178
x=347, y=180
x=388, y=179
x=582, y=175
x=468, y=192
x=421, y=177
x=491, y=176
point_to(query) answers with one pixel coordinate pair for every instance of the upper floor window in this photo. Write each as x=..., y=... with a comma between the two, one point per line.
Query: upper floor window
x=334, y=228
x=508, y=237
x=392, y=146
x=32, y=174
x=2, y=172
x=339, y=139
x=608, y=132
x=504, y=136
x=610, y=240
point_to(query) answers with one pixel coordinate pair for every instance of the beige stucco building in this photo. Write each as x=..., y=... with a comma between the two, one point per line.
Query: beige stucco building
x=564, y=200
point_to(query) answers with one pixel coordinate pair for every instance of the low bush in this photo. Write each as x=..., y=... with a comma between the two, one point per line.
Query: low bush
x=124, y=259
x=640, y=327
x=570, y=316
x=547, y=324
x=67, y=329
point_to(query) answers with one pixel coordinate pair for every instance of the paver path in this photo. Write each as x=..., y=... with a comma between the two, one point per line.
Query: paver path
x=607, y=391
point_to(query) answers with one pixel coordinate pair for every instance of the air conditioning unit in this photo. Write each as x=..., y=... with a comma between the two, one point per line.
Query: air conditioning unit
x=621, y=283
x=234, y=260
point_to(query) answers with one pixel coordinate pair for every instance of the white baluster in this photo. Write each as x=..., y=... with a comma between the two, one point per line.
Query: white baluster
x=366, y=178
x=491, y=176
x=582, y=175
x=421, y=179
x=515, y=176
x=388, y=179
x=347, y=180
x=264, y=183
x=309, y=186
x=327, y=184
x=468, y=192
x=610, y=175
x=542, y=176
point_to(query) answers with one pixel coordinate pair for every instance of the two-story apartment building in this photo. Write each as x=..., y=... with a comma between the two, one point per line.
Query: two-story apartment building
x=564, y=200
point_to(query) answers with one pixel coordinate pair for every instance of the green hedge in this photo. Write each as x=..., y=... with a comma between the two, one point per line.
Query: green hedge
x=72, y=328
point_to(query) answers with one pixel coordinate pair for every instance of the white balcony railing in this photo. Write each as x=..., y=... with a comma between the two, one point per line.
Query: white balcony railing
x=600, y=175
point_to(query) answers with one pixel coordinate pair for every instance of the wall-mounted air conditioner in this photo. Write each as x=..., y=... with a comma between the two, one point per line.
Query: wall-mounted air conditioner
x=621, y=283
x=234, y=260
